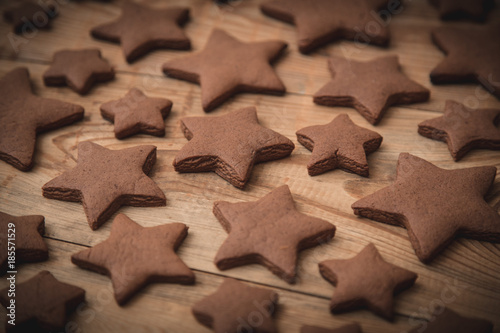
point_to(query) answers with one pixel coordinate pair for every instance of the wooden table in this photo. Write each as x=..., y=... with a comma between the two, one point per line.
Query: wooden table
x=466, y=276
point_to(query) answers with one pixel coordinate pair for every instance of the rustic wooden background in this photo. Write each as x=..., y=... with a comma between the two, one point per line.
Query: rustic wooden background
x=466, y=276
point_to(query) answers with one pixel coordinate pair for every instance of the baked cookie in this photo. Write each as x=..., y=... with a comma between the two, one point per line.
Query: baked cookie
x=349, y=328
x=459, y=9
x=27, y=17
x=448, y=321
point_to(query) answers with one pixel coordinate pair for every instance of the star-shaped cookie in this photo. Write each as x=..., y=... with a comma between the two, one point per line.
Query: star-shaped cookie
x=137, y=113
x=435, y=205
x=269, y=232
x=27, y=17
x=471, y=56
x=23, y=115
x=78, y=69
x=230, y=308
x=457, y=9
x=134, y=256
x=25, y=233
x=42, y=303
x=464, y=129
x=339, y=144
x=229, y=145
x=104, y=180
x=365, y=281
x=448, y=321
x=322, y=21
x=141, y=29
x=370, y=87
x=227, y=66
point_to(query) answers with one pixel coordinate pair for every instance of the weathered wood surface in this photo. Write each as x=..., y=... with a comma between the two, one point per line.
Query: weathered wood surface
x=466, y=274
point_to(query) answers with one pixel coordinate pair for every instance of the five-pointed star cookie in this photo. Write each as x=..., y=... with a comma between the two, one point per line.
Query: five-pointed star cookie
x=141, y=29
x=78, y=69
x=366, y=280
x=103, y=180
x=137, y=113
x=369, y=87
x=42, y=302
x=227, y=66
x=270, y=232
x=339, y=144
x=134, y=256
x=23, y=115
x=322, y=21
x=230, y=308
x=229, y=145
x=471, y=56
x=456, y=9
x=435, y=205
x=26, y=17
x=464, y=129
x=24, y=233
x=448, y=321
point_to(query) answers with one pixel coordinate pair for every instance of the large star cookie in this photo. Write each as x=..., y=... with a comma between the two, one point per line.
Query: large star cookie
x=339, y=144
x=435, y=205
x=369, y=87
x=457, y=9
x=471, y=56
x=227, y=66
x=270, y=232
x=366, y=280
x=104, y=180
x=464, y=129
x=230, y=308
x=23, y=115
x=448, y=321
x=141, y=29
x=134, y=256
x=229, y=145
x=322, y=21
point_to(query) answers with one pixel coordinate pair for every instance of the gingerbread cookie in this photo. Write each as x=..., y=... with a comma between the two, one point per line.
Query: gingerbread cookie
x=350, y=328
x=27, y=17
x=448, y=321
x=459, y=9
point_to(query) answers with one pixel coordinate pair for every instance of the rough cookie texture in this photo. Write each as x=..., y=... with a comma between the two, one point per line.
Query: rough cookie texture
x=435, y=205
x=448, y=321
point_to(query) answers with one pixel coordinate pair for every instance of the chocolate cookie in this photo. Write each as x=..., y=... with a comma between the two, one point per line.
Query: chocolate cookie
x=339, y=144
x=322, y=21
x=448, y=321
x=137, y=113
x=141, y=29
x=78, y=69
x=435, y=205
x=233, y=306
x=227, y=66
x=269, y=232
x=459, y=9
x=23, y=235
x=229, y=145
x=43, y=303
x=104, y=180
x=152, y=257
x=23, y=115
x=369, y=87
x=350, y=328
x=27, y=17
x=366, y=280
x=464, y=129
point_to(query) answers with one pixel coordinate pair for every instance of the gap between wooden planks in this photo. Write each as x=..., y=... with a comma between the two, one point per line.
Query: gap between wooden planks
x=472, y=265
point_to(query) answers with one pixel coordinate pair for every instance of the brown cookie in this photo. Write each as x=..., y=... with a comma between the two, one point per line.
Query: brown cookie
x=460, y=9
x=227, y=66
x=448, y=321
x=104, y=180
x=237, y=307
x=141, y=29
x=137, y=113
x=471, y=56
x=350, y=328
x=23, y=115
x=42, y=303
x=435, y=205
x=78, y=69
x=365, y=281
x=339, y=144
x=22, y=235
x=464, y=129
x=27, y=17
x=152, y=257
x=322, y=21
x=370, y=87
x=229, y=145
x=269, y=232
